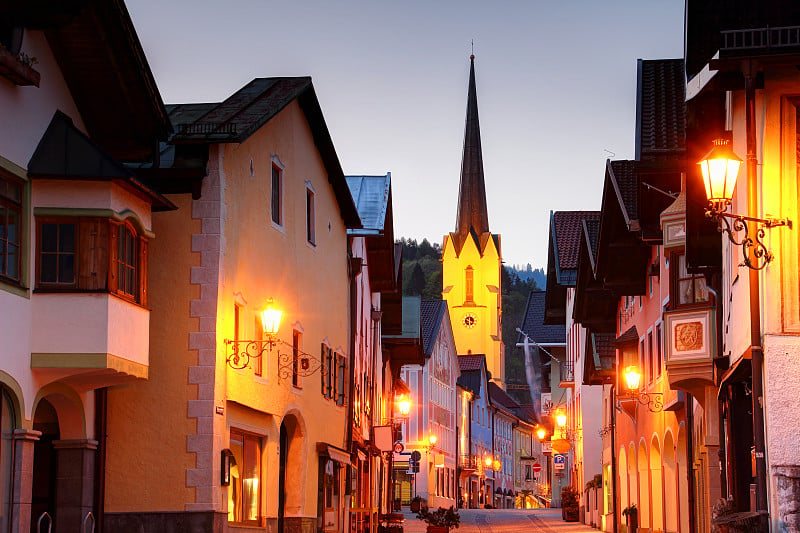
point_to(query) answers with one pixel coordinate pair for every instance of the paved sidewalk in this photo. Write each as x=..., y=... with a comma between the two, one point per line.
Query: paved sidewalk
x=504, y=521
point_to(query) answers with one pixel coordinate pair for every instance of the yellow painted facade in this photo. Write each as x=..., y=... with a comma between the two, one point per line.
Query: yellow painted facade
x=475, y=305
x=217, y=258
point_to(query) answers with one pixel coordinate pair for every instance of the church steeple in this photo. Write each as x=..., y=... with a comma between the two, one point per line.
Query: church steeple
x=472, y=214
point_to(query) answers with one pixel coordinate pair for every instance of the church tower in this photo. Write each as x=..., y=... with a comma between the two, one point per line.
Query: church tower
x=471, y=257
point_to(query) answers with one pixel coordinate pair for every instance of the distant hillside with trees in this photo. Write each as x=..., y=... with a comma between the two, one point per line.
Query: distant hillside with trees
x=422, y=276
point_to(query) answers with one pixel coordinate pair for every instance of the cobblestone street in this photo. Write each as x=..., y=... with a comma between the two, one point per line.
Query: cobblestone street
x=504, y=521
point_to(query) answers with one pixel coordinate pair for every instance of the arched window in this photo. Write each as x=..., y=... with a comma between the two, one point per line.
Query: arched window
x=469, y=285
x=7, y=424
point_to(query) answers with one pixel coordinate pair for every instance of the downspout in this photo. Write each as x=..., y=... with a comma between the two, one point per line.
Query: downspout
x=353, y=270
x=690, y=461
x=614, y=489
x=756, y=349
x=100, y=431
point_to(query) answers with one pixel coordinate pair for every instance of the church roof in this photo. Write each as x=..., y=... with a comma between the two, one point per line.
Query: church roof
x=472, y=214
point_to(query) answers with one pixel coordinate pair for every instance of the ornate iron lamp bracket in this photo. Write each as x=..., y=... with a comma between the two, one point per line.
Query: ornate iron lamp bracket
x=238, y=353
x=300, y=363
x=733, y=225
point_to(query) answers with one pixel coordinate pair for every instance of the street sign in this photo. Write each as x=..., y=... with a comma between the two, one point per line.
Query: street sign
x=416, y=455
x=398, y=447
x=536, y=468
x=559, y=461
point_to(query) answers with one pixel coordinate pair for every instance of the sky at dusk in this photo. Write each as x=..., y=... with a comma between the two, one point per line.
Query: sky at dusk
x=556, y=85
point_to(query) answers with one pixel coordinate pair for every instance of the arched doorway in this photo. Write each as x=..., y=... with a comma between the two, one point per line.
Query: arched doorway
x=63, y=477
x=45, y=464
x=633, y=478
x=291, y=487
x=8, y=423
x=656, y=486
x=624, y=498
x=671, y=486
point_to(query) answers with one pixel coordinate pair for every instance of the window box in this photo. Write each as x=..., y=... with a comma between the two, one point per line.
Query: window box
x=17, y=72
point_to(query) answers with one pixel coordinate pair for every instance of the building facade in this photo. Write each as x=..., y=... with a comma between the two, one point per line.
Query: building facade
x=76, y=229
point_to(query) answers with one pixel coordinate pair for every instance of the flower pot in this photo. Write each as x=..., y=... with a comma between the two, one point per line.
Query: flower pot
x=415, y=507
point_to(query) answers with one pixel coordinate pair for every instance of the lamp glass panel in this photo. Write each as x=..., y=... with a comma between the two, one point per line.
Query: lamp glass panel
x=271, y=320
x=632, y=378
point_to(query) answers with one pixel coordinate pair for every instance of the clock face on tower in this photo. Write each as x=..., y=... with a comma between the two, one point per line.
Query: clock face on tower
x=469, y=320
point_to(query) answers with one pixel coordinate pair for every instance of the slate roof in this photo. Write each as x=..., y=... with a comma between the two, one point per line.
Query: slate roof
x=660, y=107
x=470, y=362
x=566, y=228
x=238, y=116
x=591, y=233
x=432, y=312
x=371, y=196
x=499, y=397
x=471, y=380
x=626, y=186
x=533, y=322
x=65, y=152
x=243, y=113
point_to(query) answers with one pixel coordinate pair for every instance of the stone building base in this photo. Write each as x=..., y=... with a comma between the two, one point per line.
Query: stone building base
x=787, y=478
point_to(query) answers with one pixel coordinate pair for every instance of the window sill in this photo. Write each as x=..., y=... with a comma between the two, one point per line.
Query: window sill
x=16, y=71
x=14, y=288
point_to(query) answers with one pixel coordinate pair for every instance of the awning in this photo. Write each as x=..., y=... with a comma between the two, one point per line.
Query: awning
x=629, y=336
x=337, y=454
x=741, y=371
x=400, y=387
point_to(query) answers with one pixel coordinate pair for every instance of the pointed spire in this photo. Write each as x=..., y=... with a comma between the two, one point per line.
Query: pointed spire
x=472, y=214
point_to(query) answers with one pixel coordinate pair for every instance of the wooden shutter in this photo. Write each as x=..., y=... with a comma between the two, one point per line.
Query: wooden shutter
x=93, y=254
x=143, y=261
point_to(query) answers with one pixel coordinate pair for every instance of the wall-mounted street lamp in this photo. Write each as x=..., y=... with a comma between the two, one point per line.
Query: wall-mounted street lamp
x=561, y=419
x=432, y=440
x=541, y=433
x=633, y=378
x=720, y=168
x=238, y=353
x=404, y=405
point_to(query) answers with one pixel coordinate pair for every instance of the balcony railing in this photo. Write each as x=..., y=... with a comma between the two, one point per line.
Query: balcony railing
x=567, y=374
x=761, y=38
x=468, y=462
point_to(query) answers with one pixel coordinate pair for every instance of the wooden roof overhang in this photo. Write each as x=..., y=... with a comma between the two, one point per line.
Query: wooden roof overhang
x=595, y=305
x=392, y=301
x=599, y=361
x=622, y=257
x=381, y=256
x=108, y=76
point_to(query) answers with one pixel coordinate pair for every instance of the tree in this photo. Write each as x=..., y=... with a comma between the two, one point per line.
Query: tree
x=416, y=284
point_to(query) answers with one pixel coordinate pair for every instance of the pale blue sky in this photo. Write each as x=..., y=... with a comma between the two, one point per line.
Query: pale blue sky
x=556, y=88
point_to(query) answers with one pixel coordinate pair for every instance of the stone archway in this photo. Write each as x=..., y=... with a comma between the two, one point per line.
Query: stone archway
x=291, y=473
x=656, y=486
x=671, y=500
x=624, y=496
x=644, y=487
x=63, y=463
